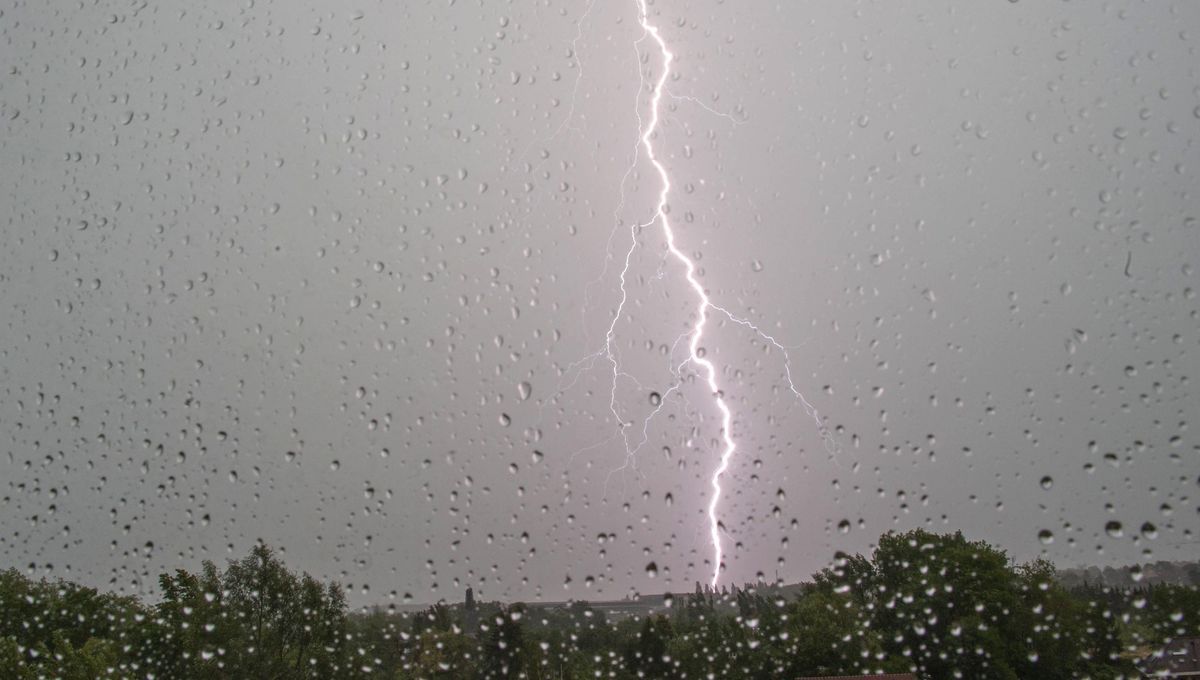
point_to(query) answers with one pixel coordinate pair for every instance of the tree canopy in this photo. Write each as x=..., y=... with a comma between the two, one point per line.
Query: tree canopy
x=936, y=605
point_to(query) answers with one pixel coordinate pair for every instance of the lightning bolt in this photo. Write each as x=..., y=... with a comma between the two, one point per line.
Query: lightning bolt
x=704, y=306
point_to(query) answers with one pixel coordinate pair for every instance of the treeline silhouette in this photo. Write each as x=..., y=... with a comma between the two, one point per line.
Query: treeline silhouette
x=937, y=605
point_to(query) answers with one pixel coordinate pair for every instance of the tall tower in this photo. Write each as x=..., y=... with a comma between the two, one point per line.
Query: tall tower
x=470, y=614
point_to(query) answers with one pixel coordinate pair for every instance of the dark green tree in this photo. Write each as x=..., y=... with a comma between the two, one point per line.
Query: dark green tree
x=62, y=629
x=257, y=619
x=950, y=608
x=503, y=648
x=439, y=654
x=645, y=654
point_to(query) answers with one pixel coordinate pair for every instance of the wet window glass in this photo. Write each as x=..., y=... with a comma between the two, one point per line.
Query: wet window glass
x=641, y=338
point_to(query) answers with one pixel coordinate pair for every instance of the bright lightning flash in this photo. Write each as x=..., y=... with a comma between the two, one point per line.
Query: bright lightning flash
x=703, y=307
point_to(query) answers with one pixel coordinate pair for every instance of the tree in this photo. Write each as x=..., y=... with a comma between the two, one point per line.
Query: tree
x=829, y=633
x=503, y=649
x=256, y=620
x=62, y=629
x=958, y=608
x=12, y=661
x=441, y=654
x=193, y=634
x=646, y=654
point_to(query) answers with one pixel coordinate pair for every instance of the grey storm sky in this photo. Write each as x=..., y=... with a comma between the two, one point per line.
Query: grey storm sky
x=329, y=276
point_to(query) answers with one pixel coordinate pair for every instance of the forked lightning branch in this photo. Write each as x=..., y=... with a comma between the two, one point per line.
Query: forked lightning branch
x=703, y=310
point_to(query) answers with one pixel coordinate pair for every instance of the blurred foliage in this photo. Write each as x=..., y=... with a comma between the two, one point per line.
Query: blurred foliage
x=937, y=605
x=257, y=619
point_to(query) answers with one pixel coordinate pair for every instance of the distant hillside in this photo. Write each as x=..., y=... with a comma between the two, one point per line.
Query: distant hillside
x=1157, y=573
